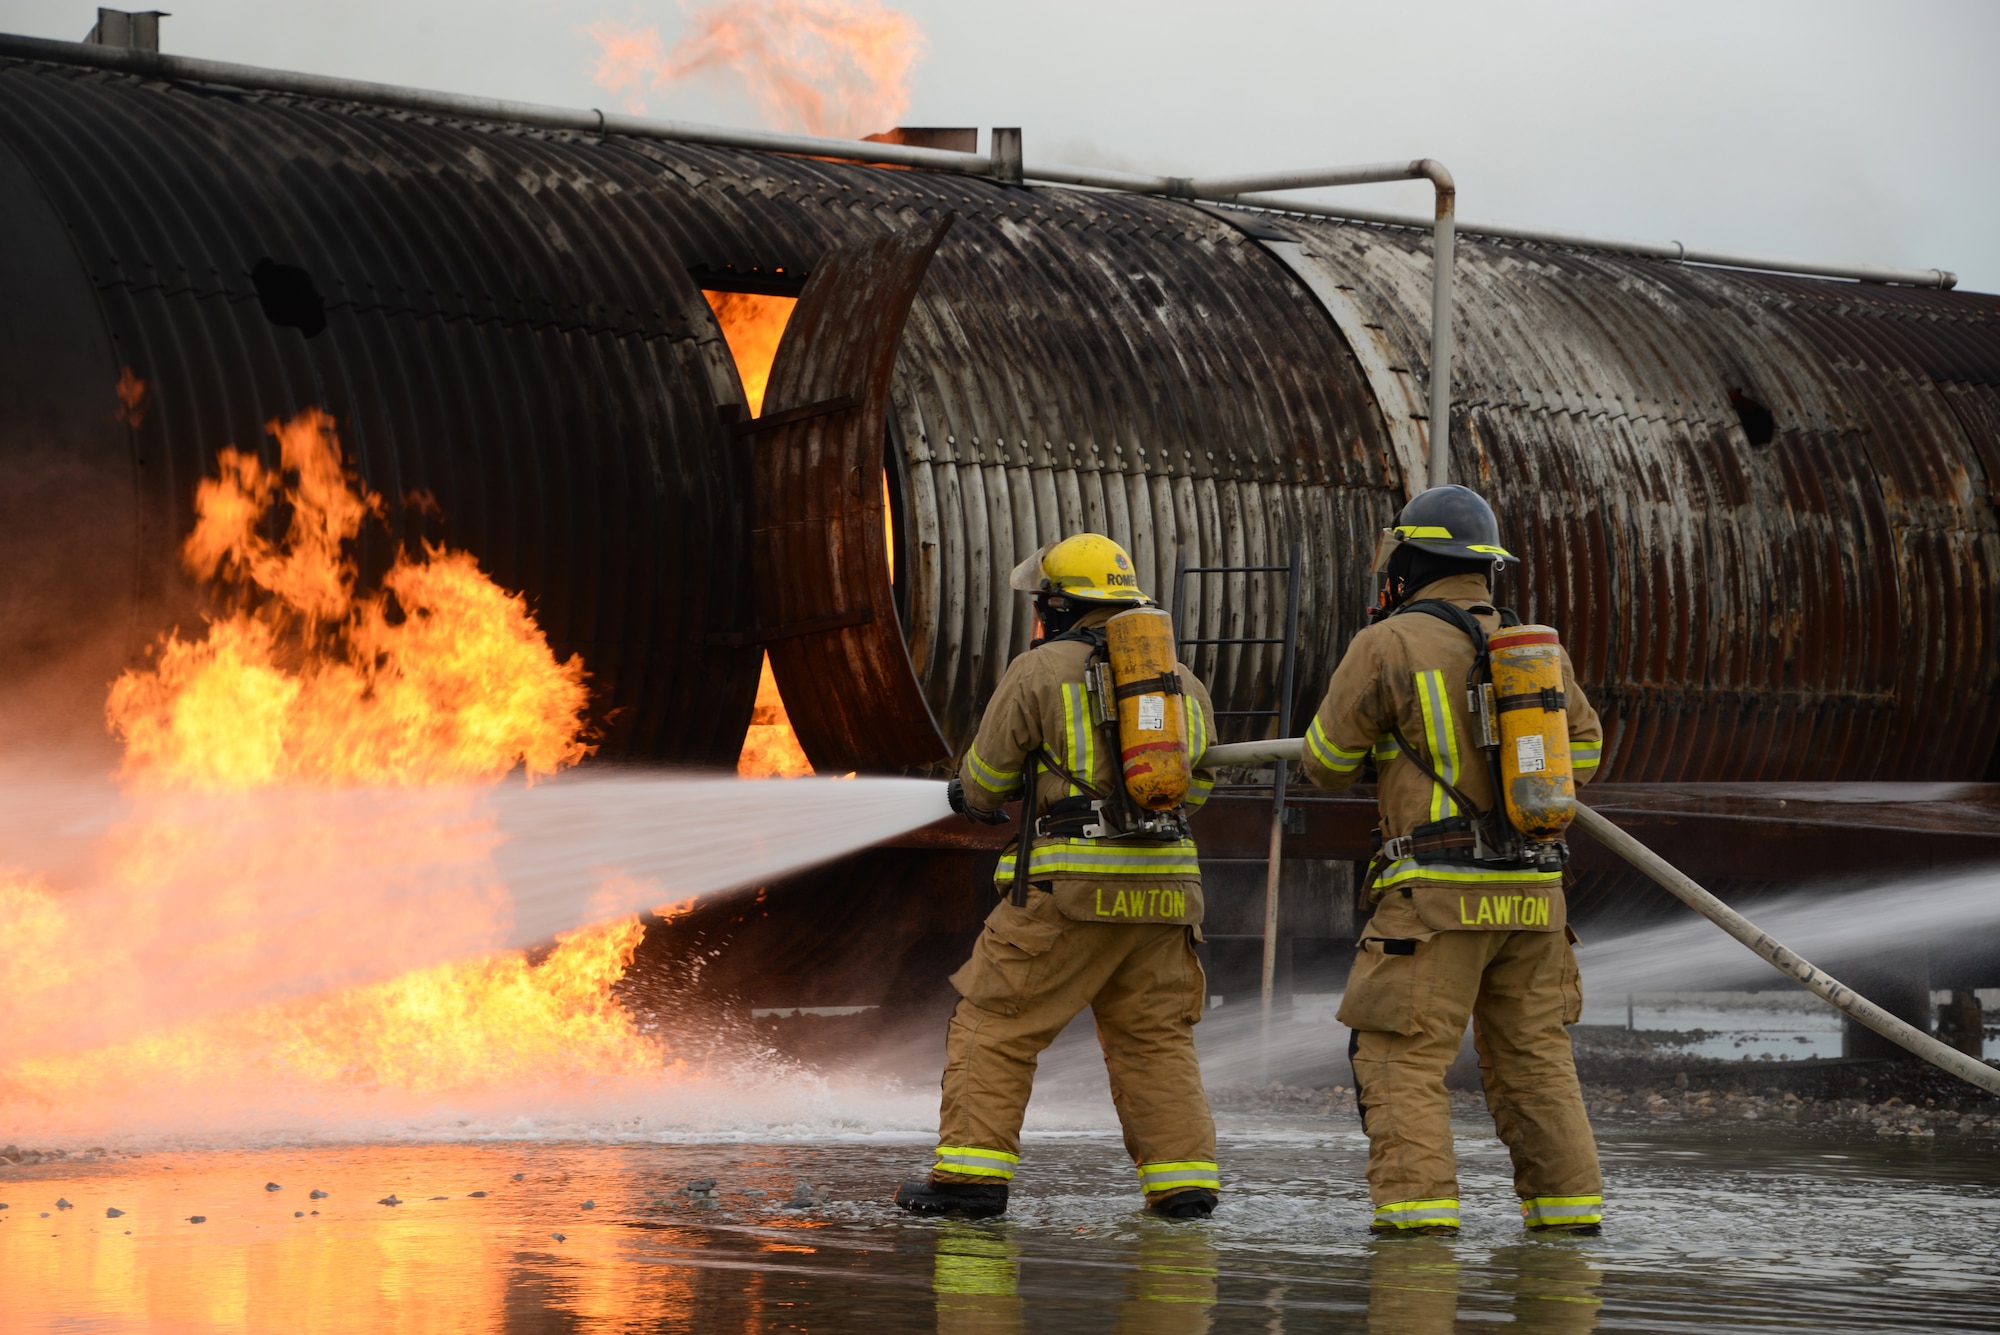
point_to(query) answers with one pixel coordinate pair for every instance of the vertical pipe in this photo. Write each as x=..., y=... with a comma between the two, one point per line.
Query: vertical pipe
x=1443, y=242
x=1275, y=867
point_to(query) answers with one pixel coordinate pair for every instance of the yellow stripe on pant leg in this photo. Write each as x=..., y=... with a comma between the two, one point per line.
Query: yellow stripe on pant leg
x=1567, y=1211
x=972, y=1161
x=1441, y=1212
x=1179, y=1176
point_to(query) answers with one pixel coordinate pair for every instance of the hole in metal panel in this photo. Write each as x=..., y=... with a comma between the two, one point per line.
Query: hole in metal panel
x=1758, y=423
x=289, y=299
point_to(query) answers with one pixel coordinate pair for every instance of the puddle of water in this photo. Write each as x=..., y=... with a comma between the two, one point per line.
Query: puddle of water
x=1709, y=1228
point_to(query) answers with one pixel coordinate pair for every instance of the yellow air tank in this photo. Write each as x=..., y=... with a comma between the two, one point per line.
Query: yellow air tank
x=1535, y=778
x=1152, y=717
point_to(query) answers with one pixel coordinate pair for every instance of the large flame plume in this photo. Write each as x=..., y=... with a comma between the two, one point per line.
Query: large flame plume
x=436, y=677
x=839, y=68
x=439, y=676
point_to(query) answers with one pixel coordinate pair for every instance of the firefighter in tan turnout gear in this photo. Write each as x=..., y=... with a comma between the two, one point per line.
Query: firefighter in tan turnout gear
x=1104, y=732
x=1468, y=884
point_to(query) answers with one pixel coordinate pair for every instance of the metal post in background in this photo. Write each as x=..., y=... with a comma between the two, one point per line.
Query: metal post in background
x=1280, y=719
x=1278, y=777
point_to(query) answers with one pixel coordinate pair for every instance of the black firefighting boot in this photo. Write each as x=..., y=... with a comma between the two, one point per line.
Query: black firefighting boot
x=1566, y=1230
x=957, y=1200
x=1193, y=1203
x=1413, y=1231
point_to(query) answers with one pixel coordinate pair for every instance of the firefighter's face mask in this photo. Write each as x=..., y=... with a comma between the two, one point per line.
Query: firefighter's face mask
x=1057, y=613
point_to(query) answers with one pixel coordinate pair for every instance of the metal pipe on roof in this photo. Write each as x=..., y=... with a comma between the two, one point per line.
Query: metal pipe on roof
x=1224, y=189
x=1679, y=252
x=153, y=64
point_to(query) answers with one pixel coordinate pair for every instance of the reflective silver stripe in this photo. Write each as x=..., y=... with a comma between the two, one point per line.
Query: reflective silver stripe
x=1409, y=1214
x=1440, y=739
x=1408, y=869
x=1193, y=1177
x=1183, y=1173
x=1090, y=857
x=992, y=780
x=1544, y=1210
x=1078, y=735
x=972, y=1160
x=1198, y=791
x=1197, y=731
x=1336, y=758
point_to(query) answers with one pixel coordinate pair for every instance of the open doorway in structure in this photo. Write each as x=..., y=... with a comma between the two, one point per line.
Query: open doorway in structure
x=753, y=323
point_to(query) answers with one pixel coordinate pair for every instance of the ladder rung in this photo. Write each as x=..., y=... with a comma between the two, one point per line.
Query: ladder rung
x=1267, y=639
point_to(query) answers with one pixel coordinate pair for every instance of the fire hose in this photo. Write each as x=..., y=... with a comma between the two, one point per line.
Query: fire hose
x=1684, y=888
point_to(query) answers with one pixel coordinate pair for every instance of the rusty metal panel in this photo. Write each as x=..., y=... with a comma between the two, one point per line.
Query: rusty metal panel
x=822, y=561
x=1821, y=605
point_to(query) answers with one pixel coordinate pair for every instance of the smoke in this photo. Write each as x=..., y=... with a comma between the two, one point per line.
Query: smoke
x=838, y=68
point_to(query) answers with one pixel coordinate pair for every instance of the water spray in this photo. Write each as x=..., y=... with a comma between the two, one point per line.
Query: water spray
x=1684, y=888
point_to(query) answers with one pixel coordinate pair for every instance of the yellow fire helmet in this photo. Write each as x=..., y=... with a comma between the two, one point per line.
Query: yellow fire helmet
x=1089, y=566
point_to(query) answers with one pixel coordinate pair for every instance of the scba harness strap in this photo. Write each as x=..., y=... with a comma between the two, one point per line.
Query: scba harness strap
x=1456, y=839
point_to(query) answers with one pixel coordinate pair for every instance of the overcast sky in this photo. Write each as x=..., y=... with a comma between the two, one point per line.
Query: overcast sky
x=1829, y=129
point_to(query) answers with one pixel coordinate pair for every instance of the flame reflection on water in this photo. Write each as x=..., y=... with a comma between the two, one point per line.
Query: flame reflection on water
x=1711, y=1227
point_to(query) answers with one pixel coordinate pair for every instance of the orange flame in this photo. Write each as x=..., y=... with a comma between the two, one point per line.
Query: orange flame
x=131, y=397
x=771, y=749
x=753, y=325
x=436, y=677
x=439, y=677
x=825, y=67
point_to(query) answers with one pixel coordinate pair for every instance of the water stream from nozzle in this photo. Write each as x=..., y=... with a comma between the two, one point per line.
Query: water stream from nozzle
x=1827, y=926
x=124, y=913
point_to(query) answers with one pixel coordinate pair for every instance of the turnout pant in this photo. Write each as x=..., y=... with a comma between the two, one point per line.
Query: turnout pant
x=1408, y=1012
x=1030, y=974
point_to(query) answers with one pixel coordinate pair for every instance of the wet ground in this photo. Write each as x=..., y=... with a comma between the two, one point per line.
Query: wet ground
x=1710, y=1227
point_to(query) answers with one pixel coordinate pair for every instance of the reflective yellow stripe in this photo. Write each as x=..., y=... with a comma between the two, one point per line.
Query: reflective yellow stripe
x=1543, y=1211
x=1336, y=758
x=1197, y=731
x=1440, y=739
x=972, y=1263
x=1079, y=738
x=998, y=782
x=1585, y=755
x=975, y=1162
x=1198, y=791
x=1422, y=531
x=1098, y=857
x=1408, y=869
x=1419, y=1214
x=1180, y=1176
x=1386, y=750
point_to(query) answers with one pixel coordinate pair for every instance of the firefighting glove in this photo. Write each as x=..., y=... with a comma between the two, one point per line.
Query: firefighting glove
x=954, y=793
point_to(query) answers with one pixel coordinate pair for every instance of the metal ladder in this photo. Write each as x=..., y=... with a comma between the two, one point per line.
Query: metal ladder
x=1281, y=715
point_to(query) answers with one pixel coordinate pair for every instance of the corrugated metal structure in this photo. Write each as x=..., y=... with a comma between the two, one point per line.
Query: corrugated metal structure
x=1753, y=502
x=1796, y=582
x=487, y=315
